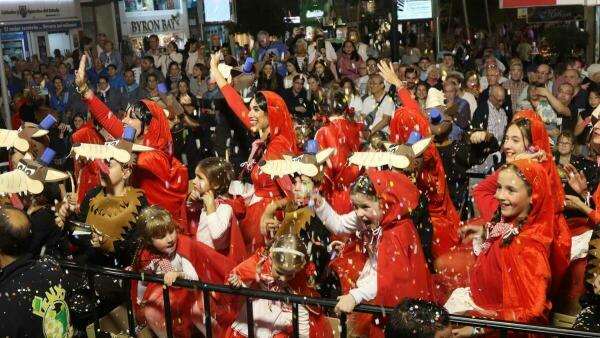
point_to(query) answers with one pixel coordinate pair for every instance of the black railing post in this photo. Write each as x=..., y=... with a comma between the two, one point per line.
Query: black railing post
x=130, y=317
x=167, y=306
x=90, y=278
x=207, y=317
x=250, y=317
x=295, y=323
x=343, y=326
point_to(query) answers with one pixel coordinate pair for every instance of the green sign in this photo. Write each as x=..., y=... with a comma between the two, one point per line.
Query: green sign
x=312, y=11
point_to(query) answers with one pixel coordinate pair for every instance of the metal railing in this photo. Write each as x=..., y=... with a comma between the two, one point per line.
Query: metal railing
x=502, y=326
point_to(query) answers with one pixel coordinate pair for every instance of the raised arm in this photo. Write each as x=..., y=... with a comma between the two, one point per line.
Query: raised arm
x=337, y=224
x=388, y=74
x=234, y=100
x=99, y=110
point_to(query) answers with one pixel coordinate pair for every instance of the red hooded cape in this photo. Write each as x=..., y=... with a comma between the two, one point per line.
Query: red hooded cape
x=281, y=141
x=432, y=179
x=514, y=280
x=344, y=136
x=210, y=266
x=400, y=259
x=162, y=177
x=87, y=175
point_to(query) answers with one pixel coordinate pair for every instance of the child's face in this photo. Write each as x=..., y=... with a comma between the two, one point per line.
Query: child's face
x=201, y=184
x=166, y=244
x=116, y=174
x=367, y=209
x=303, y=186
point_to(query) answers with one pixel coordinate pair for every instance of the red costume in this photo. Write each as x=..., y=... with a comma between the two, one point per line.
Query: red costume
x=210, y=266
x=400, y=258
x=344, y=136
x=513, y=279
x=487, y=204
x=257, y=269
x=431, y=180
x=88, y=174
x=281, y=141
x=162, y=177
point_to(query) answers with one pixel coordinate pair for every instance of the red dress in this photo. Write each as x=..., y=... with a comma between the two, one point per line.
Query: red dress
x=88, y=174
x=210, y=267
x=431, y=181
x=514, y=279
x=281, y=141
x=257, y=268
x=400, y=258
x=344, y=136
x=162, y=177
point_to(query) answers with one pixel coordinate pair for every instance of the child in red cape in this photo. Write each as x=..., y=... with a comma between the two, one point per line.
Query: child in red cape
x=175, y=256
x=526, y=138
x=511, y=277
x=431, y=180
x=162, y=177
x=283, y=267
x=344, y=135
x=392, y=253
x=269, y=117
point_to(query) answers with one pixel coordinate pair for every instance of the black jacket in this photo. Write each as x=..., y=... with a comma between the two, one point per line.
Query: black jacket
x=33, y=299
x=482, y=114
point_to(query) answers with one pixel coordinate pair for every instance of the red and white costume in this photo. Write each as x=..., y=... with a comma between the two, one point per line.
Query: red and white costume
x=162, y=177
x=431, y=181
x=391, y=257
x=198, y=262
x=220, y=230
x=274, y=318
x=343, y=135
x=281, y=141
x=512, y=281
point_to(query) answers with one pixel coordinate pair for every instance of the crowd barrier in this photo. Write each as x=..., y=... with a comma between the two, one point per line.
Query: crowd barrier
x=503, y=327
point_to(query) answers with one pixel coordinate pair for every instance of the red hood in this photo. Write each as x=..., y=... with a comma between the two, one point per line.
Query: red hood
x=397, y=195
x=159, y=131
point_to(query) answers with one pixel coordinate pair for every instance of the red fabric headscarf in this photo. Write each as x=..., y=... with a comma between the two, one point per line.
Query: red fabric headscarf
x=159, y=131
x=561, y=247
x=282, y=138
x=524, y=267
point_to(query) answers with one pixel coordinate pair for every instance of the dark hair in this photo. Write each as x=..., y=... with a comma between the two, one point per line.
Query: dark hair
x=347, y=80
x=218, y=172
x=298, y=77
x=151, y=75
x=173, y=63
x=567, y=134
x=424, y=58
x=363, y=185
x=111, y=66
x=14, y=238
x=416, y=318
x=140, y=111
x=103, y=77
x=149, y=58
x=261, y=101
x=294, y=63
x=336, y=103
x=410, y=70
x=372, y=59
x=354, y=55
x=268, y=84
x=85, y=41
x=153, y=36
x=327, y=75
x=524, y=126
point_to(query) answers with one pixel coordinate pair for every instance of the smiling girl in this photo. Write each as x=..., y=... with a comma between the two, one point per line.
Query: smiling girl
x=268, y=117
x=511, y=277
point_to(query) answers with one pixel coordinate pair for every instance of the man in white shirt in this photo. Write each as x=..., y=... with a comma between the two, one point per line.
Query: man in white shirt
x=378, y=108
